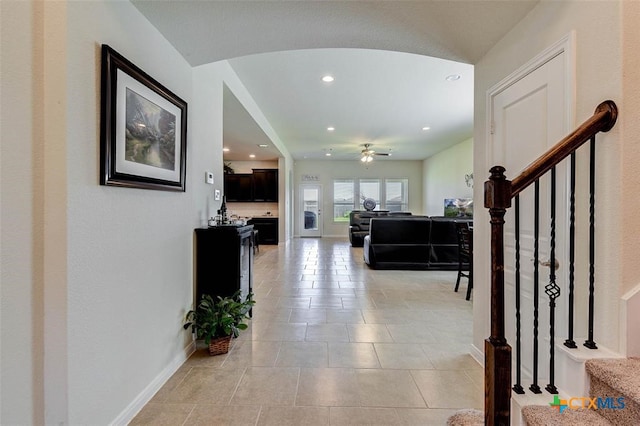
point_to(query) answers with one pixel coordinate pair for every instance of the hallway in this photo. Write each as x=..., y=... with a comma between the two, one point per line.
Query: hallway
x=333, y=342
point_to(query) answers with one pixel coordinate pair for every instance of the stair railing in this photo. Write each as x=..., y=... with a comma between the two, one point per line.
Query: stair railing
x=498, y=195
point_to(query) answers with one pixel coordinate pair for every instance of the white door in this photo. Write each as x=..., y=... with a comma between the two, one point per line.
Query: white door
x=529, y=114
x=310, y=210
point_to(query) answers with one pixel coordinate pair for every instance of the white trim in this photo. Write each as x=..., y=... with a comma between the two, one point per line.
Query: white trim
x=567, y=45
x=145, y=396
x=477, y=354
x=629, y=323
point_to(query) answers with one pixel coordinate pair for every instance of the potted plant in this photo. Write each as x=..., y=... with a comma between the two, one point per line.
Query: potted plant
x=217, y=321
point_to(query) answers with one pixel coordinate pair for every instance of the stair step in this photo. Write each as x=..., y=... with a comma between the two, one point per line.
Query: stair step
x=539, y=415
x=466, y=417
x=613, y=379
x=622, y=375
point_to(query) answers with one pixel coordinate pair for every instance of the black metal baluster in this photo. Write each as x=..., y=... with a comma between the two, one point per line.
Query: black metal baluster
x=589, y=343
x=536, y=231
x=552, y=290
x=517, y=388
x=570, y=343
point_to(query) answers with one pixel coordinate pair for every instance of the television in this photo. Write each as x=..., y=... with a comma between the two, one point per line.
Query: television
x=458, y=207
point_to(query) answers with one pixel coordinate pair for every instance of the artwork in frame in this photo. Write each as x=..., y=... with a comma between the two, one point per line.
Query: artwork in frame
x=143, y=129
x=458, y=207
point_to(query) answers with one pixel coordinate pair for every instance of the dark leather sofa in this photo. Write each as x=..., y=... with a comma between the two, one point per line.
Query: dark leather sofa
x=415, y=242
x=359, y=223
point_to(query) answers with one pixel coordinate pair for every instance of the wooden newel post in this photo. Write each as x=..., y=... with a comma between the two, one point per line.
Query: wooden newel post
x=497, y=364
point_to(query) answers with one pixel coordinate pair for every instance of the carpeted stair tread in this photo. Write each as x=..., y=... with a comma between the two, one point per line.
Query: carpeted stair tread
x=466, y=417
x=540, y=415
x=621, y=374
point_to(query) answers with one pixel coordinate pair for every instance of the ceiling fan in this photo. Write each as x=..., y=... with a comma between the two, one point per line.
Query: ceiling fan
x=368, y=153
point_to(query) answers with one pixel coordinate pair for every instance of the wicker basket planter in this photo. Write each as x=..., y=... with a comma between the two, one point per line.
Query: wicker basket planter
x=219, y=345
x=217, y=321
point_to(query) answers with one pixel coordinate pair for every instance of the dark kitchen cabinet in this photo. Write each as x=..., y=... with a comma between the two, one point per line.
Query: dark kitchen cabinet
x=265, y=185
x=224, y=261
x=267, y=228
x=238, y=187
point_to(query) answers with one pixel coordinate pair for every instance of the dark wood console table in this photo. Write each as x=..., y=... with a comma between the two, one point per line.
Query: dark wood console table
x=224, y=261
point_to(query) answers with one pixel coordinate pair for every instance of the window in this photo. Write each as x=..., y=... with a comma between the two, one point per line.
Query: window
x=343, y=199
x=396, y=195
x=369, y=188
x=348, y=195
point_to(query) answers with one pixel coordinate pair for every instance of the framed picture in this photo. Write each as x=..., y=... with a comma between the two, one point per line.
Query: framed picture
x=458, y=207
x=143, y=129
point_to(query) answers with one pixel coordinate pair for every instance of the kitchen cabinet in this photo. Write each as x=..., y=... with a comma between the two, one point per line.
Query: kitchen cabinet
x=267, y=228
x=265, y=185
x=259, y=186
x=238, y=187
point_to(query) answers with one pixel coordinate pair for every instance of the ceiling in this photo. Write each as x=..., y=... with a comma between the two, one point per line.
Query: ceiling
x=388, y=83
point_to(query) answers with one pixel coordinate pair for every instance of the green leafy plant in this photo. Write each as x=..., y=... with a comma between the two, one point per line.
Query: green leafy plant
x=219, y=318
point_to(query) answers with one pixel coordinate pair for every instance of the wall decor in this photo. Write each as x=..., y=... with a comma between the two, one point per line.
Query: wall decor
x=143, y=128
x=458, y=207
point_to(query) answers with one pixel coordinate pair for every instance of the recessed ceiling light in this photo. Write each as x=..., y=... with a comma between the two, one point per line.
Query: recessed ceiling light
x=225, y=149
x=263, y=145
x=252, y=156
x=426, y=128
x=331, y=129
x=452, y=77
x=328, y=78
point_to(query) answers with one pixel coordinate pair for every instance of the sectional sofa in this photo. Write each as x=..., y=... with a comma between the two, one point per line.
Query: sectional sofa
x=412, y=242
x=359, y=223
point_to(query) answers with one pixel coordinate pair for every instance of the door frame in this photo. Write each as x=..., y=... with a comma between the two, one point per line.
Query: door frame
x=316, y=233
x=566, y=46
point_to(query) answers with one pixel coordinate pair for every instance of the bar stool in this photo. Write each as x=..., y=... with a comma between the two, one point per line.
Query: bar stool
x=254, y=241
x=465, y=255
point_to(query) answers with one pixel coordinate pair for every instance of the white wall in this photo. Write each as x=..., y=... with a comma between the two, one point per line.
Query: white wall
x=21, y=215
x=597, y=28
x=443, y=177
x=95, y=280
x=129, y=278
x=327, y=171
x=209, y=80
x=630, y=129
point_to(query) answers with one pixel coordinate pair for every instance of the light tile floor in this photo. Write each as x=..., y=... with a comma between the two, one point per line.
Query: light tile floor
x=333, y=342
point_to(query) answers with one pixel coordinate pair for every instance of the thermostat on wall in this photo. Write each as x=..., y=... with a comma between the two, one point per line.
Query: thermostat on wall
x=208, y=177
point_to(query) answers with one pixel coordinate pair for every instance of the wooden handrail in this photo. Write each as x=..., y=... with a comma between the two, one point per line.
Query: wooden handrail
x=498, y=192
x=602, y=120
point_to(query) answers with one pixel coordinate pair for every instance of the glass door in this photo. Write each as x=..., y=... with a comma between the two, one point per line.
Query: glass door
x=311, y=210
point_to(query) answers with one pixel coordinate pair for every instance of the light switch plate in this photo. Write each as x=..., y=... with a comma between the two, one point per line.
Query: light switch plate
x=208, y=177
x=216, y=194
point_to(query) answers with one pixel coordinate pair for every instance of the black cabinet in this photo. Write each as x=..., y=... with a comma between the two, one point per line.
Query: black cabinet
x=267, y=228
x=260, y=186
x=265, y=185
x=224, y=261
x=238, y=187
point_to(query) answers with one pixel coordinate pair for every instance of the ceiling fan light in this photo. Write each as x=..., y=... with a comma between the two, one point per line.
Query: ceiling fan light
x=364, y=159
x=369, y=159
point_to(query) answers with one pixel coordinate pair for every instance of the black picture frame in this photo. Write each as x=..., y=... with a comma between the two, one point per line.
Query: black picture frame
x=143, y=128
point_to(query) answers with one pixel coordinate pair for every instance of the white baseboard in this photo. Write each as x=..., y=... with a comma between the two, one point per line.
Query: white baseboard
x=477, y=354
x=145, y=396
